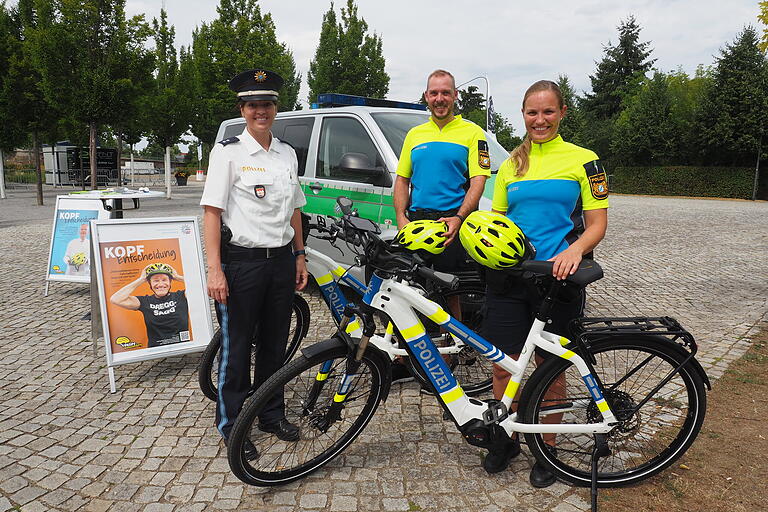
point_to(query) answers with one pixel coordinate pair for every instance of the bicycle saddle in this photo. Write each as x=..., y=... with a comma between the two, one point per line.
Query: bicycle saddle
x=588, y=272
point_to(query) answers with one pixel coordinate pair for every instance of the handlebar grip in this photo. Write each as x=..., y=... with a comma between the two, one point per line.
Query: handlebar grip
x=444, y=279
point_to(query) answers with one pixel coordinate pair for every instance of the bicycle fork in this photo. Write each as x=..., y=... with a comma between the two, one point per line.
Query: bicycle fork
x=352, y=366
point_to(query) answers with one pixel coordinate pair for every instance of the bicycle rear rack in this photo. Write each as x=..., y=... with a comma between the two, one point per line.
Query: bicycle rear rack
x=595, y=329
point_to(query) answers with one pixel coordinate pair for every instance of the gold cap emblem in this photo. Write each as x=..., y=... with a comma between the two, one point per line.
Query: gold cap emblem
x=260, y=76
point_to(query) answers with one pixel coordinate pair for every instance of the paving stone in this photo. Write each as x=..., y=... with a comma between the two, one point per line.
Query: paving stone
x=313, y=501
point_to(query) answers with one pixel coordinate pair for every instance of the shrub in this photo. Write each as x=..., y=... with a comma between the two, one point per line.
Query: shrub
x=732, y=182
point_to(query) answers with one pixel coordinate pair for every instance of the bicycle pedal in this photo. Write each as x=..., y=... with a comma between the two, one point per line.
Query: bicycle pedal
x=495, y=412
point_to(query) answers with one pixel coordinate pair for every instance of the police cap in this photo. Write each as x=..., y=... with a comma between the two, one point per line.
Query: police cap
x=257, y=84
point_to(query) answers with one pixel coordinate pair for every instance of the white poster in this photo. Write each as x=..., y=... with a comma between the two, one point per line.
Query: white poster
x=152, y=288
x=69, y=254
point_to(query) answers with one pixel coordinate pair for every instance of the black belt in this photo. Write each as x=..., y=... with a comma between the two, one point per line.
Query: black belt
x=236, y=252
x=426, y=214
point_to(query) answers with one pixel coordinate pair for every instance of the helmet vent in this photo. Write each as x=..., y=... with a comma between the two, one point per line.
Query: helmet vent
x=478, y=251
x=493, y=232
x=418, y=229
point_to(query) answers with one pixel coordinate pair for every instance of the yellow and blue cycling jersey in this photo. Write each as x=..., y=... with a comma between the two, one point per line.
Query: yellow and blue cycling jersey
x=562, y=180
x=439, y=162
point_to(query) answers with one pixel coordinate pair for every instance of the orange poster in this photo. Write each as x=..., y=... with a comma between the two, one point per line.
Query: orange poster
x=145, y=294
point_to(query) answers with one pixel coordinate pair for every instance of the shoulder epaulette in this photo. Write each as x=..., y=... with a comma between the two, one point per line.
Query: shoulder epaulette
x=229, y=141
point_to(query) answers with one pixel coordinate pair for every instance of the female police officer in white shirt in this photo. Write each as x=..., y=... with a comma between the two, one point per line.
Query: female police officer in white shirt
x=252, y=188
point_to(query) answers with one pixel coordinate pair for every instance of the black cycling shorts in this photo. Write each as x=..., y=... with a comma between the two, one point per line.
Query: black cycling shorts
x=511, y=306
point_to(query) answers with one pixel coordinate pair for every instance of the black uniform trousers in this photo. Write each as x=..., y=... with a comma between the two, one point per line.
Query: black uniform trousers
x=260, y=293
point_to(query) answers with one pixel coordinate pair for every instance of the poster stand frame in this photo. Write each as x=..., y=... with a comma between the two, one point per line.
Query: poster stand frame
x=99, y=318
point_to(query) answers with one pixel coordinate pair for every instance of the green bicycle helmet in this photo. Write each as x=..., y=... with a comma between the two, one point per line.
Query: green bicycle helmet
x=425, y=235
x=158, y=268
x=494, y=241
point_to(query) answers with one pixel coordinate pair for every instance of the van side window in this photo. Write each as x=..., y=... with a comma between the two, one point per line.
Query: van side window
x=233, y=130
x=296, y=132
x=340, y=136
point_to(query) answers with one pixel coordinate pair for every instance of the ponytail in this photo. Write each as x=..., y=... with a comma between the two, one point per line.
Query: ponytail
x=520, y=156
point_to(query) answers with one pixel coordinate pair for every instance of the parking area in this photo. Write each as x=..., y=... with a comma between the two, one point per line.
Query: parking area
x=66, y=443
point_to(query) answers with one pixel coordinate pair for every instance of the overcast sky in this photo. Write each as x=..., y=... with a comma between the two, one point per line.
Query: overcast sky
x=513, y=43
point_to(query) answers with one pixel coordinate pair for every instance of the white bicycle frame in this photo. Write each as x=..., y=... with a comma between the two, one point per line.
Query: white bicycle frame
x=328, y=273
x=400, y=302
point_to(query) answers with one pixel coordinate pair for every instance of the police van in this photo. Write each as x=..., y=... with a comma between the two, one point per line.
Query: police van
x=349, y=146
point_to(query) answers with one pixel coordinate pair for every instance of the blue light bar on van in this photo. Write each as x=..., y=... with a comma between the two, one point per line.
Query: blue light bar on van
x=347, y=100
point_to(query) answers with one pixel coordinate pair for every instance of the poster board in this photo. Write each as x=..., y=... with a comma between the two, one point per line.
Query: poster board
x=152, y=290
x=69, y=251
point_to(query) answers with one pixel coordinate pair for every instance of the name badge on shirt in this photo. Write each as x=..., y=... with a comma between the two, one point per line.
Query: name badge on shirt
x=260, y=191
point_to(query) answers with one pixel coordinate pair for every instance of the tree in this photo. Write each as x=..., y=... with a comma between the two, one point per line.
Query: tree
x=572, y=125
x=469, y=101
x=763, y=18
x=169, y=115
x=29, y=113
x=619, y=73
x=347, y=59
x=79, y=48
x=130, y=112
x=239, y=39
x=734, y=110
x=617, y=77
x=11, y=133
x=645, y=131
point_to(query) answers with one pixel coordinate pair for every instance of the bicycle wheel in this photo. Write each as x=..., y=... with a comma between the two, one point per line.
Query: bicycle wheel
x=646, y=440
x=473, y=371
x=309, y=404
x=208, y=371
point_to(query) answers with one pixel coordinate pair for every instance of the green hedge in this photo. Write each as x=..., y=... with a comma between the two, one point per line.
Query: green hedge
x=735, y=182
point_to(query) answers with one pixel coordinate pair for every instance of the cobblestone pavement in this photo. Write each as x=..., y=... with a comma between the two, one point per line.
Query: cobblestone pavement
x=66, y=443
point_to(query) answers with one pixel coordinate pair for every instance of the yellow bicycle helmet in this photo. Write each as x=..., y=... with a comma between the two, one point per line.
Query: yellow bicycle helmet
x=158, y=268
x=426, y=235
x=494, y=241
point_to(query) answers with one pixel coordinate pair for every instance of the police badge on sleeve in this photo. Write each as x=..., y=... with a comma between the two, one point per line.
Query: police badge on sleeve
x=483, y=158
x=598, y=181
x=260, y=191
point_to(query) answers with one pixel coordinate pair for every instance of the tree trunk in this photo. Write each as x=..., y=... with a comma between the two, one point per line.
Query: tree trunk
x=119, y=159
x=2, y=175
x=167, y=172
x=92, y=152
x=38, y=168
x=132, y=169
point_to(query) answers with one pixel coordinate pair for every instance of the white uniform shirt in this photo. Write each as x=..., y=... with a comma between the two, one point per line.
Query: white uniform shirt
x=238, y=174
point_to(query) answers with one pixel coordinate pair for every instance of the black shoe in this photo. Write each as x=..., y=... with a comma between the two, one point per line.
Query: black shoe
x=249, y=450
x=283, y=429
x=498, y=460
x=540, y=475
x=400, y=373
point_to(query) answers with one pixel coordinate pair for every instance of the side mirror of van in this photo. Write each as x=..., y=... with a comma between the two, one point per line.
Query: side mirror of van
x=359, y=165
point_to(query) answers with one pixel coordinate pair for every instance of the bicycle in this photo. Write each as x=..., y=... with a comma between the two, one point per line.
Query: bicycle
x=635, y=397
x=208, y=369
x=330, y=275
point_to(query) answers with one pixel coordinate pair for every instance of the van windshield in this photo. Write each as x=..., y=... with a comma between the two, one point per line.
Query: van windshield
x=395, y=125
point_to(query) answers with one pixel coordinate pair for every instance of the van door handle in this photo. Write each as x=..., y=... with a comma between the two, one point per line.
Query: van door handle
x=316, y=187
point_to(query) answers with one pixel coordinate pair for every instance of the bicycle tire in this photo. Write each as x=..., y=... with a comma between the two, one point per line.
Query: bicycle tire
x=646, y=441
x=280, y=462
x=208, y=370
x=473, y=371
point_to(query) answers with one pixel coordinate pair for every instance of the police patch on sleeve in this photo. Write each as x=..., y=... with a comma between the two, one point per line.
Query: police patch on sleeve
x=483, y=159
x=598, y=181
